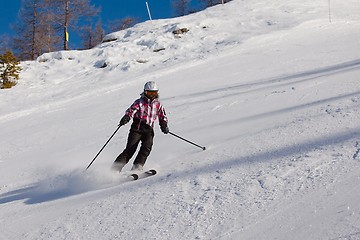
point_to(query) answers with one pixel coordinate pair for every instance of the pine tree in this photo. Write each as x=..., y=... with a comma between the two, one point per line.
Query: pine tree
x=9, y=70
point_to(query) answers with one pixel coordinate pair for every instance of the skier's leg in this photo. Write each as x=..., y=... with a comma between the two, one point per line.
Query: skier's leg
x=145, y=149
x=132, y=143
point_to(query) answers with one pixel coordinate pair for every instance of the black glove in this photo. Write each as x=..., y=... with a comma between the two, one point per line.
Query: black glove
x=164, y=128
x=124, y=120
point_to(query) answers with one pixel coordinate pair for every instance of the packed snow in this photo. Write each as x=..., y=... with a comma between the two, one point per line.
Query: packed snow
x=270, y=88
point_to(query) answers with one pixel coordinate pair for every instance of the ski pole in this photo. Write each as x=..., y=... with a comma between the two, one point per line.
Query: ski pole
x=103, y=147
x=203, y=148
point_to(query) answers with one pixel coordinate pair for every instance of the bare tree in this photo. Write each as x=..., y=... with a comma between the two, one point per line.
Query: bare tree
x=92, y=36
x=49, y=34
x=68, y=13
x=25, y=41
x=209, y=3
x=181, y=7
x=121, y=24
x=5, y=43
x=34, y=31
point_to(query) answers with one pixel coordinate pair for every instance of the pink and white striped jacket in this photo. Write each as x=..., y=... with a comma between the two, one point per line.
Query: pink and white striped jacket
x=147, y=110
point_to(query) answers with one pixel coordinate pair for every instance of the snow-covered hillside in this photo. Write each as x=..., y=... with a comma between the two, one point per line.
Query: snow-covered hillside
x=272, y=89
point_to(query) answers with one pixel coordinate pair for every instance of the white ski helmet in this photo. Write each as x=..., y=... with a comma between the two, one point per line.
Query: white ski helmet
x=151, y=86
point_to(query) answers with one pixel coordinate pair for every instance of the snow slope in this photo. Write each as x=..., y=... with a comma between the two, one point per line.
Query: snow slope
x=270, y=88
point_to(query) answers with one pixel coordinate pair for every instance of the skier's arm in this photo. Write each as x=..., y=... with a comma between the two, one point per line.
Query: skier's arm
x=129, y=113
x=162, y=115
x=163, y=120
x=133, y=108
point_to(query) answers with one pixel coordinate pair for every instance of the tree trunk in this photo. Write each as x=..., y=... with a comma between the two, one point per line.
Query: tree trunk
x=66, y=26
x=34, y=30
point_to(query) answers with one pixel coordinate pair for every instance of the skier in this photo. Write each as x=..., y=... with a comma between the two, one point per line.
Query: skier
x=144, y=112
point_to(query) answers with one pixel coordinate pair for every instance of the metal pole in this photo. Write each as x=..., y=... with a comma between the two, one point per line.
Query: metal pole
x=103, y=147
x=148, y=9
x=329, y=11
x=203, y=148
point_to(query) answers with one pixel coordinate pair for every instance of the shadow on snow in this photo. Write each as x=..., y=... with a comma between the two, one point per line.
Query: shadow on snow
x=284, y=80
x=61, y=186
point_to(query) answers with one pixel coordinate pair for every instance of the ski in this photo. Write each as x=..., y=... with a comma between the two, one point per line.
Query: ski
x=148, y=173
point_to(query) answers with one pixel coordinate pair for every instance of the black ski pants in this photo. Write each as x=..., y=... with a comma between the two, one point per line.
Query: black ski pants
x=134, y=138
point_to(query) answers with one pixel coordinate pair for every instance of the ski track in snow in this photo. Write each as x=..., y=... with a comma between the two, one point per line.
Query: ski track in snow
x=271, y=89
